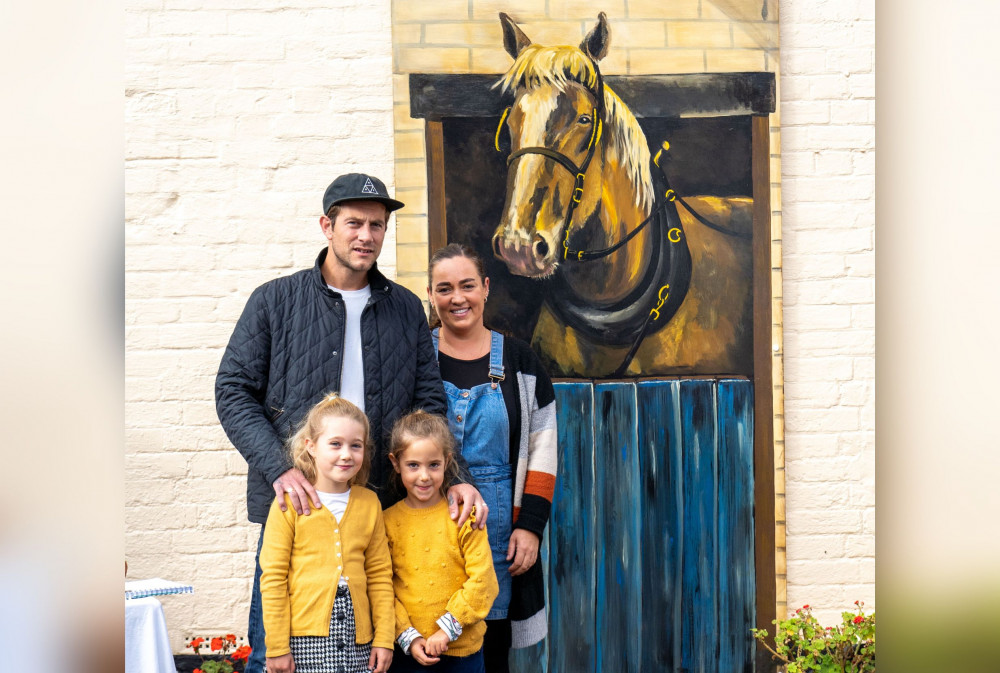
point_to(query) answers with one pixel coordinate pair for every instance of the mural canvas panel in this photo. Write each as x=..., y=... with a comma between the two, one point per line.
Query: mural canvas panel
x=611, y=164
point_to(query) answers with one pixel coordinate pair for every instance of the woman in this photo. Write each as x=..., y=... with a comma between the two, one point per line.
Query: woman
x=501, y=409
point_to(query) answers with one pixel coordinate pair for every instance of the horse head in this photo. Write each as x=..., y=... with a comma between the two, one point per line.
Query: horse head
x=554, y=121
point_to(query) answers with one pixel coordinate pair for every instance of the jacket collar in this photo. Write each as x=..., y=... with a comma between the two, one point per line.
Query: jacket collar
x=379, y=284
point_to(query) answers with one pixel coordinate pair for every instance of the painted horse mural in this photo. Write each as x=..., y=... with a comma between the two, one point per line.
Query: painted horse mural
x=634, y=284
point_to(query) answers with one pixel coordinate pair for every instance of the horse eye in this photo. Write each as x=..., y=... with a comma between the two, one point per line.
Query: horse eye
x=584, y=119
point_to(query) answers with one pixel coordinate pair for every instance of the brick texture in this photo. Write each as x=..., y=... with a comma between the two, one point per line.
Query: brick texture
x=828, y=217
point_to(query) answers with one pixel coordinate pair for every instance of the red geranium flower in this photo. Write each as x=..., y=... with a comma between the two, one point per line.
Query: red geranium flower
x=859, y=619
x=230, y=638
x=805, y=607
x=242, y=653
x=196, y=642
x=197, y=670
x=216, y=644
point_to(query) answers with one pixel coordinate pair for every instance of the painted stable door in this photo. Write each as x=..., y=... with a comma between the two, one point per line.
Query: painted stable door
x=650, y=551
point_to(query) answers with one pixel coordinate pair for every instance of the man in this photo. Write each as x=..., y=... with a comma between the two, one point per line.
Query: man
x=339, y=327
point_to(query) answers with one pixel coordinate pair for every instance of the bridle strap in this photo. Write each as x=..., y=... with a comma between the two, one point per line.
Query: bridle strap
x=551, y=154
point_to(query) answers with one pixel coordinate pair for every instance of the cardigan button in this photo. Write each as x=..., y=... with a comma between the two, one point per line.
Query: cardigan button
x=459, y=418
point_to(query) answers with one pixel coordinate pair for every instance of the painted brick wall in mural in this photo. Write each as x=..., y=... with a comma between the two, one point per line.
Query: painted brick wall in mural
x=611, y=166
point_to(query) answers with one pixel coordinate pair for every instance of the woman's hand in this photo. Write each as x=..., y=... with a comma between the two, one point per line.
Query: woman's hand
x=466, y=496
x=437, y=644
x=417, y=650
x=523, y=548
x=380, y=660
x=282, y=664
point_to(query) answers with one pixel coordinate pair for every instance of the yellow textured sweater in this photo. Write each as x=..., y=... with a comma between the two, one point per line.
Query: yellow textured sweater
x=301, y=562
x=438, y=568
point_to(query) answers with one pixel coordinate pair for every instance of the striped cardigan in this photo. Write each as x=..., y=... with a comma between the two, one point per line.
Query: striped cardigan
x=534, y=481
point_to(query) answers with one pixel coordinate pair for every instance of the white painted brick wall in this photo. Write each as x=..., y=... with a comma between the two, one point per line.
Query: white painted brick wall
x=828, y=217
x=238, y=113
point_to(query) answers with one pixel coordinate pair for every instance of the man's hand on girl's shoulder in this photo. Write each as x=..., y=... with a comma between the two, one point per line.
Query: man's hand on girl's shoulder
x=467, y=497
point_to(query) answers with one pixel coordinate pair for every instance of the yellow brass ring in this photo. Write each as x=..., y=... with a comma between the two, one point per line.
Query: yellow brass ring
x=674, y=231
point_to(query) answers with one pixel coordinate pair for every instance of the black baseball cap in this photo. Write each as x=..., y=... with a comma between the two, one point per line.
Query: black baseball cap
x=358, y=187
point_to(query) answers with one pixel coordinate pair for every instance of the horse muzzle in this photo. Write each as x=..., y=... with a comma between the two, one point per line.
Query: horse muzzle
x=534, y=257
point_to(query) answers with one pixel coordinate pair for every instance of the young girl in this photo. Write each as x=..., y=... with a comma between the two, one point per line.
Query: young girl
x=326, y=580
x=443, y=575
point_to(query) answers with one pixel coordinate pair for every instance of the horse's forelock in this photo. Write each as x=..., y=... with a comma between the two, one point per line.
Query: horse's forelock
x=539, y=65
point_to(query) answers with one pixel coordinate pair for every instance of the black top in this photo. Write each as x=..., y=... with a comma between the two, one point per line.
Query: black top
x=466, y=374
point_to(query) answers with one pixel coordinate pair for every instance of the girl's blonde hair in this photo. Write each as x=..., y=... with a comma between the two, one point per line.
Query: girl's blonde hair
x=311, y=427
x=418, y=425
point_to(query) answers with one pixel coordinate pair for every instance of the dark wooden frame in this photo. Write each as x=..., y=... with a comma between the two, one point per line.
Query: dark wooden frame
x=435, y=97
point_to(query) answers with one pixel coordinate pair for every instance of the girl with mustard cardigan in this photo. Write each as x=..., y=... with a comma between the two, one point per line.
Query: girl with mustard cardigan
x=442, y=574
x=326, y=577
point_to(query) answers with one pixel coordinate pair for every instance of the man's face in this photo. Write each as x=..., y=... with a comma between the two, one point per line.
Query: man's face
x=357, y=234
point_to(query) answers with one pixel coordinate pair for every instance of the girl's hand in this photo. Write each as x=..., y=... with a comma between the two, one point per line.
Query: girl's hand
x=380, y=660
x=523, y=548
x=417, y=651
x=282, y=664
x=437, y=644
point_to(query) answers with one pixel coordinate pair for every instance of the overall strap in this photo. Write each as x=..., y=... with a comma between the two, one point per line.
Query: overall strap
x=496, y=357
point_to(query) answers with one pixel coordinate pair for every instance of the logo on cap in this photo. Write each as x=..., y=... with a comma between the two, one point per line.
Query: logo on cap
x=369, y=188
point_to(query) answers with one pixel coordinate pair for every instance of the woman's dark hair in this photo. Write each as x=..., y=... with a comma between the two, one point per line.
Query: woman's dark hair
x=451, y=251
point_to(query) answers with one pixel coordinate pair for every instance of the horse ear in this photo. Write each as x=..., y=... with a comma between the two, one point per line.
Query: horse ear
x=514, y=39
x=597, y=41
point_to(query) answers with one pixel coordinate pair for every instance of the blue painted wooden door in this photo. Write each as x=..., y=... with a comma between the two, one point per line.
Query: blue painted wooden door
x=649, y=552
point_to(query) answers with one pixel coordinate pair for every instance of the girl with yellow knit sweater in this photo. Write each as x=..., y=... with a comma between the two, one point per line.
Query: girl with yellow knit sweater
x=442, y=574
x=326, y=580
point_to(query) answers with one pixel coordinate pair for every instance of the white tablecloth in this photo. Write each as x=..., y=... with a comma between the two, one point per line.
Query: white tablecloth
x=147, y=646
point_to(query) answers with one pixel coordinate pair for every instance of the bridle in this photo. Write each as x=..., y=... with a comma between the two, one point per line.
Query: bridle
x=579, y=173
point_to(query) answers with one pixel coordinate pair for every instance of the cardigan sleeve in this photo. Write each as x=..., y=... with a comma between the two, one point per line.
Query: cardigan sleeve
x=472, y=602
x=275, y=555
x=537, y=399
x=378, y=574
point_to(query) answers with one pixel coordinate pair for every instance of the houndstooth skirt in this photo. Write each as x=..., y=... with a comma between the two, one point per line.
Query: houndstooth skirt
x=337, y=652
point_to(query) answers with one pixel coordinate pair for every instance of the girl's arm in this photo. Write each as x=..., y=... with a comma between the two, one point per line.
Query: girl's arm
x=472, y=602
x=378, y=576
x=275, y=556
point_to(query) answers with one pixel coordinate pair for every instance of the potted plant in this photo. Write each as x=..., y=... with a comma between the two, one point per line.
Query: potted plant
x=222, y=660
x=804, y=645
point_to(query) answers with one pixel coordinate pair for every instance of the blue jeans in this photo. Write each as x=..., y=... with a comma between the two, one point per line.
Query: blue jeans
x=255, y=629
x=404, y=663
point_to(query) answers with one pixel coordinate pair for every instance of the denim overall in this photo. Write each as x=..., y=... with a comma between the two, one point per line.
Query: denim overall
x=478, y=419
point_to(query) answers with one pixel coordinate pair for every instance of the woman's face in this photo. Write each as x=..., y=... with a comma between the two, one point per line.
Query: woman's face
x=458, y=294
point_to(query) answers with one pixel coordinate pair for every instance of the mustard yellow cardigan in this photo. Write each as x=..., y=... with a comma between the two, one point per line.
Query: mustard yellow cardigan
x=302, y=559
x=438, y=568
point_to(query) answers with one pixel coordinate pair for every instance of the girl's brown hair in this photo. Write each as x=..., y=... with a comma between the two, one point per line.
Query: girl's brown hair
x=422, y=425
x=311, y=427
x=451, y=251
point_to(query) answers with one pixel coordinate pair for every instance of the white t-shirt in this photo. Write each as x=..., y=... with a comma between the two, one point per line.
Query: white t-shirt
x=337, y=504
x=352, y=370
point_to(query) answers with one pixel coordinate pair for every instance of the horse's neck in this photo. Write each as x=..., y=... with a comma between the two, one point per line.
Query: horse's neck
x=618, y=212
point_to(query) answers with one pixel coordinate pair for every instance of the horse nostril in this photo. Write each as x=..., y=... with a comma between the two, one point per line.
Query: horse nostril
x=541, y=247
x=496, y=246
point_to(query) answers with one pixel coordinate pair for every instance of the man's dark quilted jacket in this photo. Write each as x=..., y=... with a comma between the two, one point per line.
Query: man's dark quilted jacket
x=285, y=355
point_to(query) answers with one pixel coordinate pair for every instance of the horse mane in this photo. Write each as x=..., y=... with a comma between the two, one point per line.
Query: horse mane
x=538, y=65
